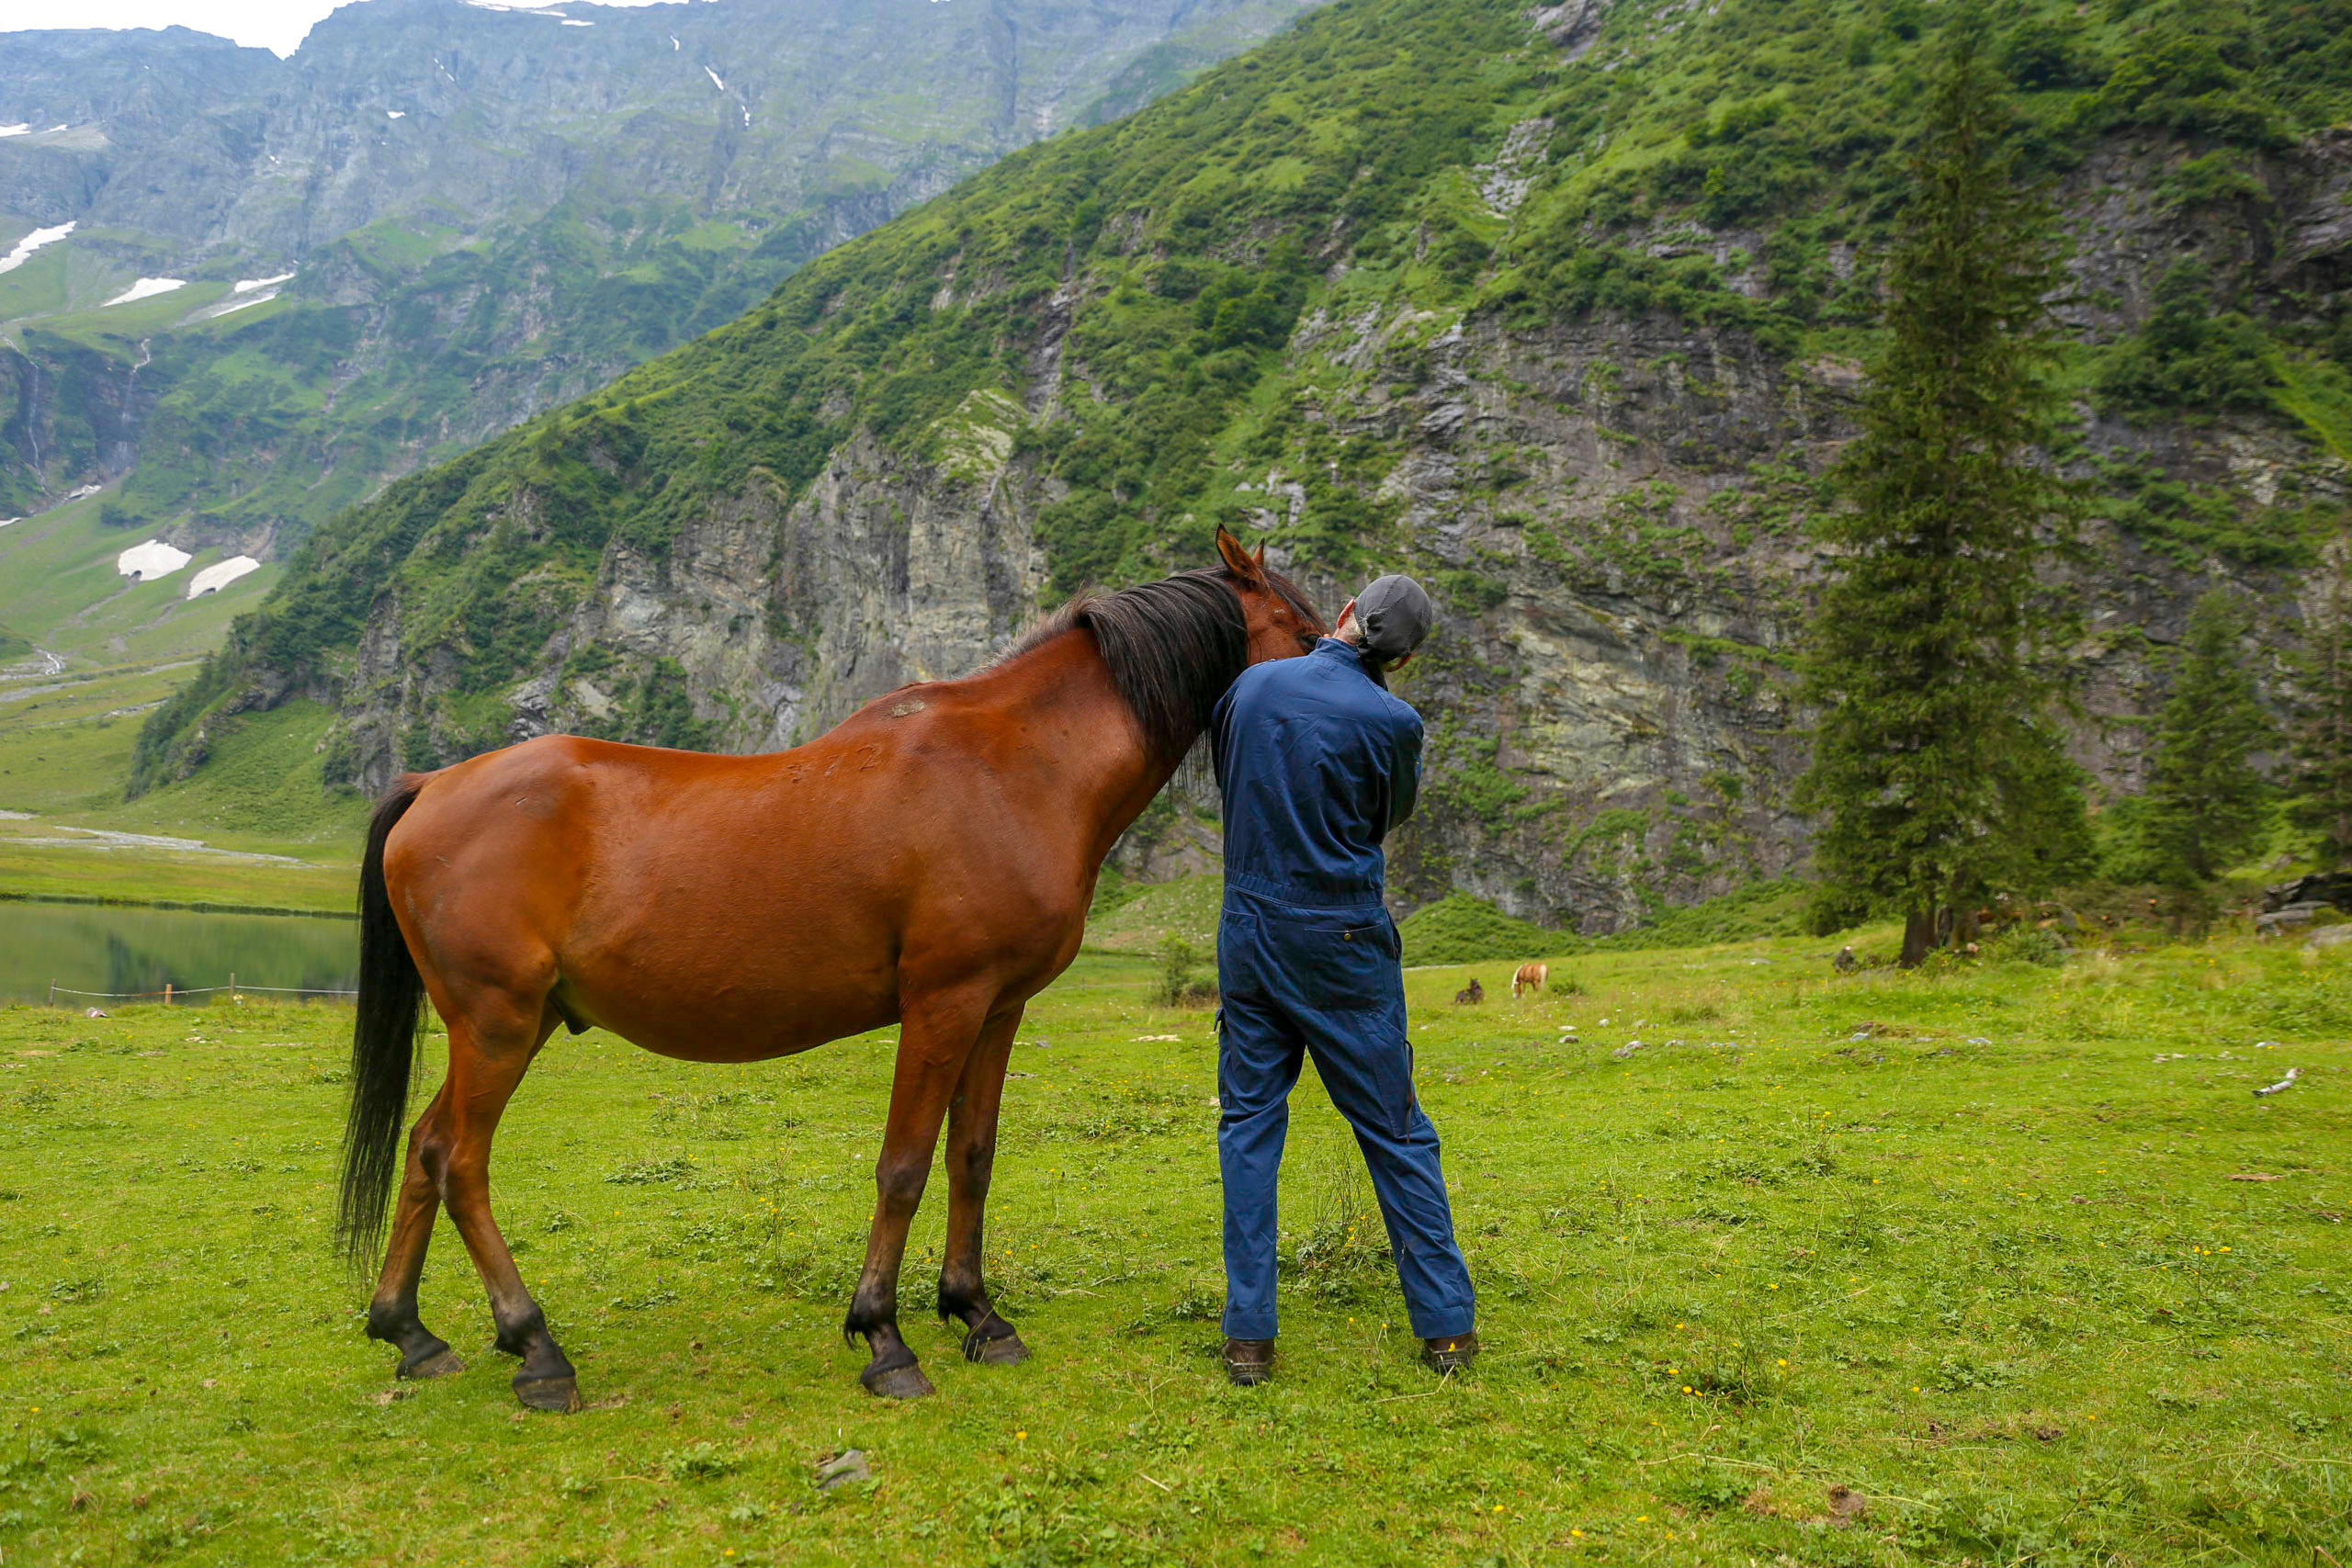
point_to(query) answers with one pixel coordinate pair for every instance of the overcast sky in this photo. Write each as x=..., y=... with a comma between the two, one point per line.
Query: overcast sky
x=265, y=24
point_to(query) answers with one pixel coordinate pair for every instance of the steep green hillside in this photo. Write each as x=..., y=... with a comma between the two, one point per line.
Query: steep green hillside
x=1562, y=311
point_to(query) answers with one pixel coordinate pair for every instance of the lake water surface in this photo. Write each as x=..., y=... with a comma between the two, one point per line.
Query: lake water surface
x=87, y=947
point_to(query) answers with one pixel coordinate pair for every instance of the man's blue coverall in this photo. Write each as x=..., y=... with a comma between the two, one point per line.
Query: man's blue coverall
x=1316, y=762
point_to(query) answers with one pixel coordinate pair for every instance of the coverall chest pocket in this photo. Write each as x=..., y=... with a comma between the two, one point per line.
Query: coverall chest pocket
x=1337, y=967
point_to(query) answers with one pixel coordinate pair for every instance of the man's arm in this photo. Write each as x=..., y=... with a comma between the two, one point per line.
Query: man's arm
x=1405, y=773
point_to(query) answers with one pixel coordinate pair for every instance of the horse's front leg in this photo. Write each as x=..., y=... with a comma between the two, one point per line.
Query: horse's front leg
x=936, y=1035
x=971, y=1155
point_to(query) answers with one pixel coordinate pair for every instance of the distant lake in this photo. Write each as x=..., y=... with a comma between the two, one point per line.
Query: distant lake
x=101, y=948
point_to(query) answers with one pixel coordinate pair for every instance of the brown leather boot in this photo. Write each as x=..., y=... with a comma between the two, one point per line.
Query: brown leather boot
x=1249, y=1362
x=1451, y=1353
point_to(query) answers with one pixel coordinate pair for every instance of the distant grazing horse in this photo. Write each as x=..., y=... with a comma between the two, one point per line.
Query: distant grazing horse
x=927, y=863
x=1528, y=977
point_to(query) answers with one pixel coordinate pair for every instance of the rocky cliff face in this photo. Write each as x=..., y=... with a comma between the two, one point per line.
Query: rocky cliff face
x=440, y=217
x=775, y=615
x=1634, y=682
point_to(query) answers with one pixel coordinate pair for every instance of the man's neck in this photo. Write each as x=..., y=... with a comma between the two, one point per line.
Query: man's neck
x=1371, y=667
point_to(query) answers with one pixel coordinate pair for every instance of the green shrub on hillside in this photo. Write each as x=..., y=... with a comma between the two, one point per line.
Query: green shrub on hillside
x=2191, y=360
x=1462, y=930
x=2188, y=523
x=2024, y=944
x=2188, y=73
x=1774, y=908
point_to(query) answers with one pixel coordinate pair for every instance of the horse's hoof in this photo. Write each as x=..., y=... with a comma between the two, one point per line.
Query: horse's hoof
x=1004, y=1350
x=441, y=1363
x=896, y=1382
x=560, y=1393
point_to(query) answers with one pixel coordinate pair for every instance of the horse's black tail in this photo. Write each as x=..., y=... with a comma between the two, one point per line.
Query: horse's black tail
x=383, y=1041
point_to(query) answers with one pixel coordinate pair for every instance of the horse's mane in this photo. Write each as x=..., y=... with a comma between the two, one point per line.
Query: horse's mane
x=1173, y=646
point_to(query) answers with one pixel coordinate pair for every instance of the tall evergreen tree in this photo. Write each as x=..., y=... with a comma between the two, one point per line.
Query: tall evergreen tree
x=2205, y=799
x=1936, y=762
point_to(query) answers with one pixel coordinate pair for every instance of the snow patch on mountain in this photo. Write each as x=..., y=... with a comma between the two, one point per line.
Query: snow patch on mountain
x=220, y=574
x=147, y=561
x=231, y=305
x=31, y=242
x=147, y=288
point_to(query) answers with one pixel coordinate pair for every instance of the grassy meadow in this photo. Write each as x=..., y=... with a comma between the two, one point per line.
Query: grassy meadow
x=1998, y=1265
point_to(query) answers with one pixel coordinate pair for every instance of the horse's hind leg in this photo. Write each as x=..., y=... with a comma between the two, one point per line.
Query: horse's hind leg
x=971, y=1156
x=392, y=1315
x=490, y=1045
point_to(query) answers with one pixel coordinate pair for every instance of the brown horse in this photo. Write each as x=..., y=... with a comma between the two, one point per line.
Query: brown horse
x=928, y=863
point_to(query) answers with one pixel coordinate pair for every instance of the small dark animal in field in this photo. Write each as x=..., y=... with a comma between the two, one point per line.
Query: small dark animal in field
x=1530, y=977
x=1846, y=962
x=1470, y=995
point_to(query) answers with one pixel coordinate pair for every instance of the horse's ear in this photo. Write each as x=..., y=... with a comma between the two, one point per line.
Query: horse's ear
x=1237, y=560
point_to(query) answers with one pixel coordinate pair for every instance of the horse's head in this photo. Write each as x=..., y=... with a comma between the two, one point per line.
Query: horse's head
x=1281, y=623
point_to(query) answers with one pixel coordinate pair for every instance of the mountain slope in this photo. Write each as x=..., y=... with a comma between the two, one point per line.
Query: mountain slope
x=437, y=216
x=1561, y=310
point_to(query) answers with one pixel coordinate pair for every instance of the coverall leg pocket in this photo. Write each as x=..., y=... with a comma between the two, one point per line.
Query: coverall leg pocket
x=1337, y=967
x=1239, y=962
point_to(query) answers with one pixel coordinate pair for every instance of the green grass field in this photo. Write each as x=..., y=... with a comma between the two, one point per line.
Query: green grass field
x=50, y=872
x=2003, y=1266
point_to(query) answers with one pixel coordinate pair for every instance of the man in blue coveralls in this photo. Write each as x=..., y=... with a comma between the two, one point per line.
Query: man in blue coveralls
x=1316, y=762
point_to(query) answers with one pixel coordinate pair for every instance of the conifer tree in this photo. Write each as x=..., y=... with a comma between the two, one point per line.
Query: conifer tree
x=2205, y=799
x=1935, y=760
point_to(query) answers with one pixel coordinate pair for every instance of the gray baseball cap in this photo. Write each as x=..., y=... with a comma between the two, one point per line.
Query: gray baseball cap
x=1395, y=614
